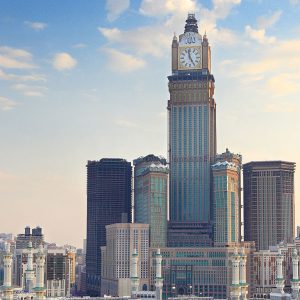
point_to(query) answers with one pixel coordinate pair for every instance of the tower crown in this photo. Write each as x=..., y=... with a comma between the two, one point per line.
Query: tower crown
x=191, y=24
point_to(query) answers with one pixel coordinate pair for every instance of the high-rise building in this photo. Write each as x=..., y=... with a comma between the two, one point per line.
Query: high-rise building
x=108, y=202
x=56, y=273
x=121, y=241
x=192, y=138
x=269, y=204
x=35, y=236
x=226, y=202
x=151, y=196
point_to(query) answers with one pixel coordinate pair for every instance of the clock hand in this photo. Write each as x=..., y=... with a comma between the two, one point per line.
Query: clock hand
x=190, y=57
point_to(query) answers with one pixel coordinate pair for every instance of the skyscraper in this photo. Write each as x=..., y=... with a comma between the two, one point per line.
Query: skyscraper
x=151, y=196
x=108, y=202
x=192, y=138
x=226, y=202
x=269, y=204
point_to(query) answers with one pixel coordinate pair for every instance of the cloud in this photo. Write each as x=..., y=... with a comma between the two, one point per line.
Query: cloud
x=143, y=41
x=165, y=7
x=259, y=35
x=15, y=77
x=267, y=22
x=122, y=62
x=115, y=8
x=30, y=90
x=283, y=84
x=294, y=2
x=280, y=108
x=15, y=52
x=13, y=58
x=269, y=66
x=80, y=45
x=125, y=123
x=64, y=61
x=37, y=26
x=10, y=63
x=170, y=16
x=222, y=8
x=6, y=104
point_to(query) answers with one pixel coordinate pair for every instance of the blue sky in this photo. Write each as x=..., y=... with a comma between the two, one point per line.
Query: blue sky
x=82, y=80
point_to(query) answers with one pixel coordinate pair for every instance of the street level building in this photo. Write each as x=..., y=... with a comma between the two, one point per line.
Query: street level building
x=265, y=269
x=122, y=240
x=108, y=202
x=269, y=204
x=203, y=272
x=192, y=138
x=151, y=196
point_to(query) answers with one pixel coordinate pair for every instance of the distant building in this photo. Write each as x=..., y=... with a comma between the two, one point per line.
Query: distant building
x=269, y=204
x=36, y=237
x=151, y=196
x=56, y=267
x=108, y=202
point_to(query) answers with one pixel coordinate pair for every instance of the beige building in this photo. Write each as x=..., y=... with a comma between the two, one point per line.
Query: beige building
x=264, y=269
x=121, y=240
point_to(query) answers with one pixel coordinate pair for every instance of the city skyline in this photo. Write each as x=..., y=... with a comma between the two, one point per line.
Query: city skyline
x=59, y=107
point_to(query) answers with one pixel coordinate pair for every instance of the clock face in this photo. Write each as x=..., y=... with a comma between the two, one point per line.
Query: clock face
x=190, y=57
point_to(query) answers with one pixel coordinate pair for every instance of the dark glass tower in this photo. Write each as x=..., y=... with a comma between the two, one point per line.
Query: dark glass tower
x=192, y=138
x=269, y=203
x=108, y=202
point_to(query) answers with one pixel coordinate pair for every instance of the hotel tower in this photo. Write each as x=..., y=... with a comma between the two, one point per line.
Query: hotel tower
x=192, y=139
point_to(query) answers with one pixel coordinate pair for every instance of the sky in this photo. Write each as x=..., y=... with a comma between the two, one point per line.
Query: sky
x=82, y=80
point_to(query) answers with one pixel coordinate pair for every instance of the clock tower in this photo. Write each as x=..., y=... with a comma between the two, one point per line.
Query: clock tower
x=192, y=139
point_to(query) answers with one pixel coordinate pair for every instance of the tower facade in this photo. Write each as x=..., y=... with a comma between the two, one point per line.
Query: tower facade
x=151, y=196
x=192, y=138
x=122, y=241
x=226, y=209
x=269, y=204
x=108, y=202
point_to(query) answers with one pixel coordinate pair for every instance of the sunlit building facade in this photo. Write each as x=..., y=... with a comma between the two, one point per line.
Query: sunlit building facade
x=151, y=196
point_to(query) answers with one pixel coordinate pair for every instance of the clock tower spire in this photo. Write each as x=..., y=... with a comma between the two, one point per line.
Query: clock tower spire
x=191, y=52
x=192, y=138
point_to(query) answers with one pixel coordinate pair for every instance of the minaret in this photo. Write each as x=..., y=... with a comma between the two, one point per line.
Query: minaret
x=158, y=276
x=7, y=287
x=40, y=272
x=295, y=280
x=279, y=275
x=135, y=281
x=235, y=292
x=243, y=280
x=29, y=273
